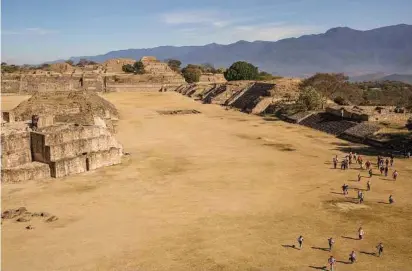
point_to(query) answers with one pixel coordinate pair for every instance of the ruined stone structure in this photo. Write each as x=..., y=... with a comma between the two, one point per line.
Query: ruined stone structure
x=209, y=78
x=100, y=78
x=70, y=142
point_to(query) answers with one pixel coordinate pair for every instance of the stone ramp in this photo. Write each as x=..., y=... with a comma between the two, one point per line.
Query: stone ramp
x=262, y=105
x=328, y=123
x=251, y=96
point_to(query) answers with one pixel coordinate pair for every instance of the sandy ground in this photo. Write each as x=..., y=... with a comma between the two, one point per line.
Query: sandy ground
x=219, y=190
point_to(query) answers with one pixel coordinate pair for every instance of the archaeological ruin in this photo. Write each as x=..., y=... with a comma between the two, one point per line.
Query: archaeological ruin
x=55, y=134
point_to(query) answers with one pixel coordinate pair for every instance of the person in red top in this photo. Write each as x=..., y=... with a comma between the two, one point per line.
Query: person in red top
x=395, y=175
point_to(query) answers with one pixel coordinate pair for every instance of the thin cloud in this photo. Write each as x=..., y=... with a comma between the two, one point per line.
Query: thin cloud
x=194, y=17
x=30, y=31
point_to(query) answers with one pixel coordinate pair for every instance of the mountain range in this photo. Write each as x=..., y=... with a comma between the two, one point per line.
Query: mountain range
x=382, y=50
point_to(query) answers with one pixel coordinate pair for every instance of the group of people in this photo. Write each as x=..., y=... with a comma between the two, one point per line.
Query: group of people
x=382, y=163
x=352, y=255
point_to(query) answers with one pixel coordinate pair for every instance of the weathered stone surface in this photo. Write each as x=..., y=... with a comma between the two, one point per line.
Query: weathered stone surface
x=12, y=213
x=51, y=219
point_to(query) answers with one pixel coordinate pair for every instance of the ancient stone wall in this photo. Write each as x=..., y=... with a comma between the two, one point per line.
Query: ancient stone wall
x=212, y=78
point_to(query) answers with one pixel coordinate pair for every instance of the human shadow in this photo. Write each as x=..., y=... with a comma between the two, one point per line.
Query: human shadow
x=351, y=238
x=382, y=202
x=321, y=248
x=336, y=193
x=344, y=262
x=318, y=267
x=368, y=253
x=291, y=246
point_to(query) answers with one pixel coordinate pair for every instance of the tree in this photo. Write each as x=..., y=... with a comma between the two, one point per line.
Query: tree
x=128, y=68
x=310, y=99
x=9, y=68
x=192, y=73
x=208, y=68
x=174, y=64
x=326, y=83
x=45, y=66
x=241, y=70
x=220, y=70
x=138, y=67
x=70, y=62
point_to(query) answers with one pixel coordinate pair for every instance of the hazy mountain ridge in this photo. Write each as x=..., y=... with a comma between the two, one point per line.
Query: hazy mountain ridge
x=341, y=49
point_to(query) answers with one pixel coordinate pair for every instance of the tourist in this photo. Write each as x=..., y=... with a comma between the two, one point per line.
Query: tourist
x=370, y=173
x=350, y=158
x=331, y=262
x=355, y=158
x=359, y=177
x=386, y=171
x=344, y=189
x=395, y=175
x=361, y=198
x=300, y=241
x=352, y=257
x=382, y=169
x=379, y=160
x=342, y=165
x=368, y=185
x=368, y=164
x=331, y=242
x=335, y=161
x=391, y=200
x=387, y=162
x=380, y=249
x=392, y=161
x=361, y=233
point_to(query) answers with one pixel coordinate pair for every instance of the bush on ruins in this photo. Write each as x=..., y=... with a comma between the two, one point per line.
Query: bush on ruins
x=174, y=64
x=310, y=99
x=136, y=68
x=241, y=70
x=192, y=73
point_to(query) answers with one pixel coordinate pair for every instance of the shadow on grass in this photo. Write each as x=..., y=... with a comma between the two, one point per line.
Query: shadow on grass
x=351, y=238
x=291, y=246
x=321, y=248
x=368, y=253
x=344, y=262
x=382, y=202
x=317, y=267
x=336, y=193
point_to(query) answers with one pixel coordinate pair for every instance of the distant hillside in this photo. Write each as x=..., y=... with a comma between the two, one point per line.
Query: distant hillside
x=342, y=49
x=405, y=78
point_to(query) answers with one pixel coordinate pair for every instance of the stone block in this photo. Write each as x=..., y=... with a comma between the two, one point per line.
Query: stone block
x=45, y=121
x=68, y=166
x=30, y=171
x=15, y=142
x=104, y=158
x=17, y=158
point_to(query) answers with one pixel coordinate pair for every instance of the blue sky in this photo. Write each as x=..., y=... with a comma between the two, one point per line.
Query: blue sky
x=34, y=31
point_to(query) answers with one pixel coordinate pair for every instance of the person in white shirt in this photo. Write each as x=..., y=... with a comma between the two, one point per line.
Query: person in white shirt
x=331, y=262
x=331, y=242
x=380, y=249
x=300, y=241
x=361, y=233
x=352, y=257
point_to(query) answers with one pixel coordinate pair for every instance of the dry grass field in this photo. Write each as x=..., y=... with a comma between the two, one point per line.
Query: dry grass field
x=220, y=190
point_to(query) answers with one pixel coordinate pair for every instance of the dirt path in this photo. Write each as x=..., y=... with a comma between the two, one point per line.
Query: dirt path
x=219, y=190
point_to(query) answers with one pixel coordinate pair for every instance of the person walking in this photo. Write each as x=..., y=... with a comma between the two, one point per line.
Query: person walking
x=361, y=233
x=368, y=185
x=332, y=262
x=386, y=171
x=380, y=249
x=391, y=161
x=370, y=173
x=335, y=162
x=395, y=175
x=391, y=200
x=331, y=242
x=352, y=257
x=300, y=241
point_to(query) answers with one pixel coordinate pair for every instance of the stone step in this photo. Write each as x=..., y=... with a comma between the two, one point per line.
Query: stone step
x=26, y=172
